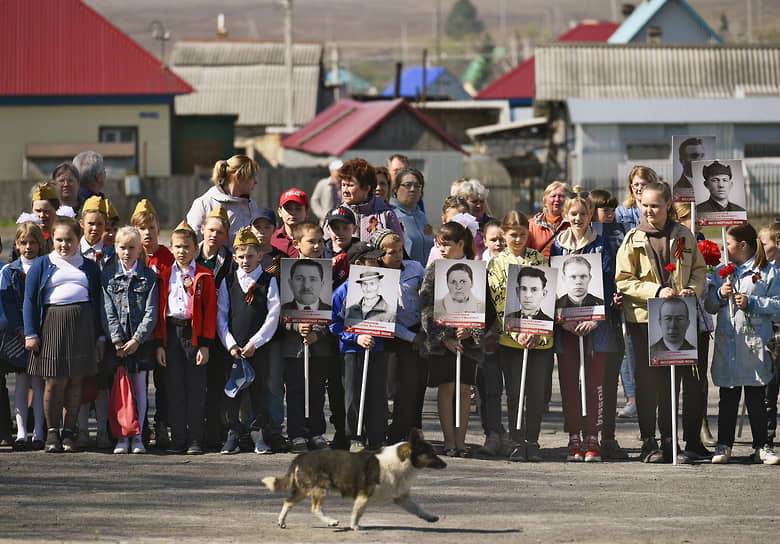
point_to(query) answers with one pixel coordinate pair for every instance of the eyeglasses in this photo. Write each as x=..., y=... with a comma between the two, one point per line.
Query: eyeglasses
x=582, y=194
x=408, y=186
x=638, y=186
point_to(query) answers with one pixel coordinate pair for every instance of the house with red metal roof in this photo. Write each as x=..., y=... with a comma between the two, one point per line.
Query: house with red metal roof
x=72, y=81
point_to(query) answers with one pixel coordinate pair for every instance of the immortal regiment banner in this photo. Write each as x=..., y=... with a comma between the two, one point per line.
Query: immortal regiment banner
x=685, y=150
x=672, y=331
x=580, y=288
x=720, y=192
x=372, y=300
x=459, y=293
x=530, y=299
x=306, y=290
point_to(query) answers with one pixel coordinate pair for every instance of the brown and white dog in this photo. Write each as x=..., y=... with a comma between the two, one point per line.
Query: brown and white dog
x=365, y=477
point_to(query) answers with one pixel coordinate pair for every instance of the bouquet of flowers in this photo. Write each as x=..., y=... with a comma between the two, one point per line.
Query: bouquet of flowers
x=727, y=273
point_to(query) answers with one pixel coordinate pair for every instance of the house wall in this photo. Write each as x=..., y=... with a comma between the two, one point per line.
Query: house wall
x=677, y=25
x=20, y=125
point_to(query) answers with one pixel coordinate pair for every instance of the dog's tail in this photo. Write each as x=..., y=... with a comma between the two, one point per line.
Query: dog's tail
x=279, y=484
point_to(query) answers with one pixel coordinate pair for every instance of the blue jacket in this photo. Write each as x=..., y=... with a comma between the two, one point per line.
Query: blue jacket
x=603, y=337
x=628, y=215
x=12, y=294
x=131, y=306
x=419, y=244
x=39, y=274
x=347, y=340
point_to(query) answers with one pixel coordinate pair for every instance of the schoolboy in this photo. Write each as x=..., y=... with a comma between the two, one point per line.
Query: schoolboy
x=263, y=226
x=352, y=347
x=185, y=330
x=293, y=209
x=144, y=218
x=112, y=226
x=247, y=298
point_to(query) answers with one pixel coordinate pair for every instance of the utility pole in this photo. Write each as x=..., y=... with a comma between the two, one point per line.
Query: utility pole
x=160, y=33
x=437, y=32
x=288, y=64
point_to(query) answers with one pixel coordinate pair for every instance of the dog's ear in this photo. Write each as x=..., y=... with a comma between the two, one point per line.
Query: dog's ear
x=415, y=435
x=404, y=452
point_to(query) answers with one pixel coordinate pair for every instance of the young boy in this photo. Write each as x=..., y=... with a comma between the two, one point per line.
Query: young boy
x=341, y=226
x=186, y=329
x=352, y=347
x=247, y=298
x=214, y=255
x=293, y=209
x=263, y=226
x=306, y=434
x=144, y=218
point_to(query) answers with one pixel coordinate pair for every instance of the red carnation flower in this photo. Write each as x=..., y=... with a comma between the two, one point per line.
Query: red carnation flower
x=710, y=251
x=756, y=277
x=671, y=267
x=726, y=271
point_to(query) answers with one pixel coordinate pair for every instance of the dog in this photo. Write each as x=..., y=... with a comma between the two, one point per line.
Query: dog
x=365, y=477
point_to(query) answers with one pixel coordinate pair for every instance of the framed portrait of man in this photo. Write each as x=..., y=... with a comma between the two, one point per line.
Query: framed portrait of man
x=685, y=150
x=372, y=300
x=306, y=290
x=530, y=299
x=580, y=294
x=720, y=192
x=459, y=293
x=671, y=329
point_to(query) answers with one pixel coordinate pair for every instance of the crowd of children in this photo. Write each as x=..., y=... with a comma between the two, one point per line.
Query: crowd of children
x=83, y=297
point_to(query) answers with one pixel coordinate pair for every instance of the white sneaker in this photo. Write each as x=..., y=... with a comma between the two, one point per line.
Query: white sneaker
x=628, y=411
x=137, y=445
x=122, y=445
x=767, y=456
x=722, y=454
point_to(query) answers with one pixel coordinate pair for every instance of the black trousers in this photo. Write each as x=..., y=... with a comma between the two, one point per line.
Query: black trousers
x=770, y=402
x=186, y=386
x=653, y=387
x=611, y=375
x=540, y=364
x=295, y=385
x=335, y=388
x=375, y=408
x=258, y=395
x=160, y=396
x=694, y=391
x=216, y=376
x=728, y=408
x=490, y=384
x=411, y=379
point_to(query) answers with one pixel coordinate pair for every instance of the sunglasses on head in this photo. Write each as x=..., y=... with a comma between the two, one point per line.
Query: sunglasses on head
x=582, y=194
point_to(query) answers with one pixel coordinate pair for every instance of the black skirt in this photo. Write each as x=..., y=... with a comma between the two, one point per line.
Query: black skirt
x=441, y=369
x=67, y=342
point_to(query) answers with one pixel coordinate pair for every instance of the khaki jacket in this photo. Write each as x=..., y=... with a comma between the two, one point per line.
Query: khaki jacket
x=637, y=275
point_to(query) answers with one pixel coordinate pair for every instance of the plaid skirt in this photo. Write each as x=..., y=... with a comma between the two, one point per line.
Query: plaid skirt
x=67, y=342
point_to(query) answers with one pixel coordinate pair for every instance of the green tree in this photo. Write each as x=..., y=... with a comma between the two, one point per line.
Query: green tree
x=463, y=20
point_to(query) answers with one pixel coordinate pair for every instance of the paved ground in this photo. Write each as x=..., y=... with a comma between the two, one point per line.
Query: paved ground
x=96, y=496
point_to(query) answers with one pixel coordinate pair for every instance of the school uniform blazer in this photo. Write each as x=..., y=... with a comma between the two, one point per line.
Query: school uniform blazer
x=204, y=306
x=38, y=276
x=12, y=295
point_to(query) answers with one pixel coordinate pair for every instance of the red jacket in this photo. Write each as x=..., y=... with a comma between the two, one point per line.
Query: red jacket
x=204, y=306
x=541, y=233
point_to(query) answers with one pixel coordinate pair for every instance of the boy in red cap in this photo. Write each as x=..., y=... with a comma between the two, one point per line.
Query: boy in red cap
x=293, y=209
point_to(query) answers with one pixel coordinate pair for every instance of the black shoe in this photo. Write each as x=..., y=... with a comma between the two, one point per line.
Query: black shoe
x=278, y=443
x=161, y=438
x=53, y=444
x=195, y=448
x=176, y=448
x=651, y=453
x=697, y=451
x=666, y=448
x=37, y=445
x=68, y=441
x=20, y=444
x=339, y=442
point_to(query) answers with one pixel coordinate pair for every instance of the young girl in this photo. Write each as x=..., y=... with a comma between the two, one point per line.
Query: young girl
x=130, y=299
x=62, y=320
x=770, y=239
x=522, y=445
x=744, y=327
x=638, y=179
x=30, y=245
x=641, y=274
x=494, y=239
x=442, y=342
x=580, y=238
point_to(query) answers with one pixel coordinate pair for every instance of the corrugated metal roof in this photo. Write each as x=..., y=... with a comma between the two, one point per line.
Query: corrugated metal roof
x=248, y=79
x=65, y=48
x=674, y=110
x=643, y=15
x=339, y=127
x=565, y=71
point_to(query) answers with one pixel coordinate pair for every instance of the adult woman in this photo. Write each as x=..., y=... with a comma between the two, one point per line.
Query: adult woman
x=66, y=180
x=638, y=179
x=233, y=180
x=476, y=195
x=546, y=224
x=383, y=183
x=358, y=187
x=408, y=190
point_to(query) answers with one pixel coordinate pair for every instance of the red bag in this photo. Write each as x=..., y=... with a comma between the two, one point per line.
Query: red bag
x=121, y=407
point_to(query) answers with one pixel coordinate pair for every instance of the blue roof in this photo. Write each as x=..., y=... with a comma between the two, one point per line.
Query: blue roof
x=411, y=81
x=642, y=16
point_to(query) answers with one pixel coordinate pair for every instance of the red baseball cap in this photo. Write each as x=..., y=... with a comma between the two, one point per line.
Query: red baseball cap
x=294, y=195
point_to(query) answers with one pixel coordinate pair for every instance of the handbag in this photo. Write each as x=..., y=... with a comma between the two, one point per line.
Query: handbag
x=12, y=350
x=242, y=374
x=121, y=406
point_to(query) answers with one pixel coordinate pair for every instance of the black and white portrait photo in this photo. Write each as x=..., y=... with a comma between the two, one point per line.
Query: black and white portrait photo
x=530, y=299
x=720, y=192
x=672, y=331
x=580, y=287
x=306, y=290
x=372, y=300
x=459, y=296
x=685, y=150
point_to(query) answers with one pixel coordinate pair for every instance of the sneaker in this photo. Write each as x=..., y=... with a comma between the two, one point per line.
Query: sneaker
x=696, y=451
x=195, y=448
x=766, y=455
x=318, y=443
x=68, y=441
x=610, y=449
x=492, y=445
x=628, y=411
x=519, y=452
x=53, y=444
x=82, y=440
x=261, y=448
x=592, y=450
x=651, y=453
x=722, y=454
x=298, y=445
x=278, y=443
x=533, y=452
x=104, y=441
x=575, y=448
x=231, y=444
x=355, y=446
x=137, y=445
x=122, y=446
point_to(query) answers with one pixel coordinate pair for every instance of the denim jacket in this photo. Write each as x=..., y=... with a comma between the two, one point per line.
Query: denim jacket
x=131, y=305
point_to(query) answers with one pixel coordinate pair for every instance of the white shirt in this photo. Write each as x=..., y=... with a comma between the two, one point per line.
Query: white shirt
x=179, y=300
x=90, y=252
x=268, y=328
x=130, y=273
x=26, y=264
x=68, y=284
